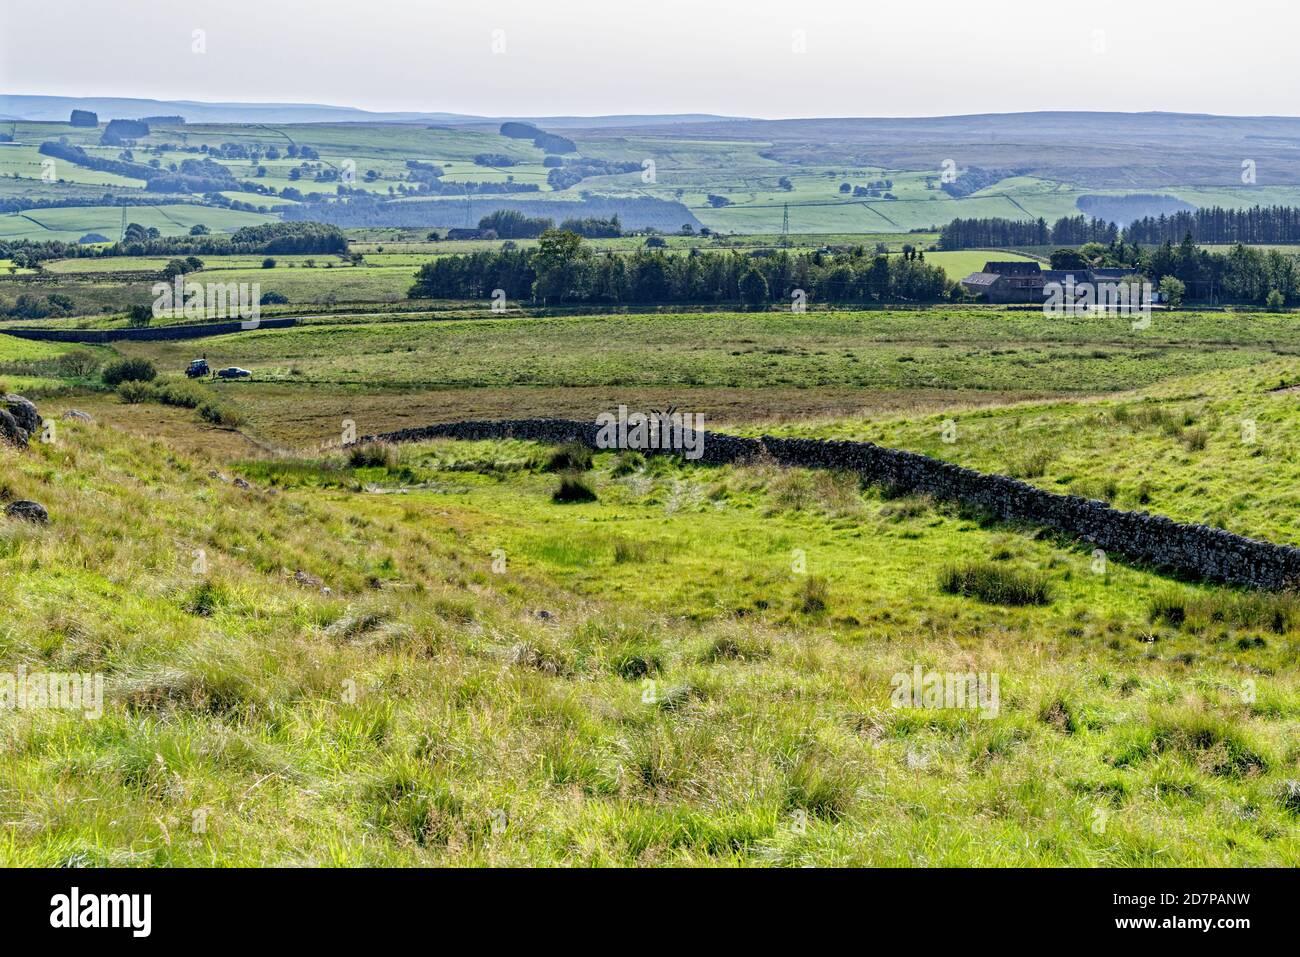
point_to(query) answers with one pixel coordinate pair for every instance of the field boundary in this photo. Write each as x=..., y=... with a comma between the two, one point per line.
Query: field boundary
x=147, y=333
x=1196, y=551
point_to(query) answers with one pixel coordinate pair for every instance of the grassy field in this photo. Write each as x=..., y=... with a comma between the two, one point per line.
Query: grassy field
x=973, y=348
x=70, y=223
x=759, y=188
x=696, y=667
x=689, y=696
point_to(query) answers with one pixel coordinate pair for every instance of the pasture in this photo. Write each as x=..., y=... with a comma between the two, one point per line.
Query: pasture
x=710, y=683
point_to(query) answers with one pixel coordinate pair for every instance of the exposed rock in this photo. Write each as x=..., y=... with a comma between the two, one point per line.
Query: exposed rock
x=545, y=615
x=214, y=474
x=10, y=431
x=306, y=578
x=240, y=483
x=23, y=412
x=78, y=415
x=28, y=511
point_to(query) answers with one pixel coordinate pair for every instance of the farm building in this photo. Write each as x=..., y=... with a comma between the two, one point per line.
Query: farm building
x=1018, y=281
x=1022, y=281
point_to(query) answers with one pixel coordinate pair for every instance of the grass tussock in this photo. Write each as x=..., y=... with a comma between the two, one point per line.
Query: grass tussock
x=371, y=455
x=574, y=489
x=1195, y=611
x=995, y=584
x=572, y=457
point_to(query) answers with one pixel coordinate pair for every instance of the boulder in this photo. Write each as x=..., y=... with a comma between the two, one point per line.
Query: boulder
x=27, y=511
x=23, y=412
x=11, y=431
x=78, y=415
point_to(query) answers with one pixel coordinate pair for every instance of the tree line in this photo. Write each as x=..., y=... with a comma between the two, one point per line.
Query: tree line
x=563, y=269
x=998, y=233
x=1212, y=225
x=283, y=238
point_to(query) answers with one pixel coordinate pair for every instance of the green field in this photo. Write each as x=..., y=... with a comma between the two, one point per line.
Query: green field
x=711, y=681
x=760, y=181
x=72, y=222
x=973, y=348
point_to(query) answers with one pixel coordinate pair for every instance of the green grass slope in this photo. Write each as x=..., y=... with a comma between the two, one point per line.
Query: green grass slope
x=693, y=669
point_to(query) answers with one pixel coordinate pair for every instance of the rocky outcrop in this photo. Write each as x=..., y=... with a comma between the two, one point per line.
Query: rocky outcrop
x=19, y=420
x=26, y=511
x=1193, y=550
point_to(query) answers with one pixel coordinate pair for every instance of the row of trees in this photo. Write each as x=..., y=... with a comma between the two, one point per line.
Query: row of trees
x=284, y=238
x=1213, y=225
x=563, y=269
x=998, y=233
x=1242, y=274
x=1259, y=224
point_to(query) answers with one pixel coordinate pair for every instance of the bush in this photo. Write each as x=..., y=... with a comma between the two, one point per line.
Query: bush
x=184, y=395
x=1275, y=302
x=133, y=392
x=995, y=584
x=128, y=370
x=569, y=458
x=219, y=414
x=79, y=364
x=574, y=488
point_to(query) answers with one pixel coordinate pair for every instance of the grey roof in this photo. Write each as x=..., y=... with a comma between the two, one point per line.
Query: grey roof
x=1017, y=267
x=981, y=279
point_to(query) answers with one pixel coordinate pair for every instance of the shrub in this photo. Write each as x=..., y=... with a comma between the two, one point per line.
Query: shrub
x=133, y=392
x=184, y=395
x=995, y=584
x=1275, y=302
x=128, y=370
x=569, y=458
x=574, y=488
x=79, y=363
x=218, y=414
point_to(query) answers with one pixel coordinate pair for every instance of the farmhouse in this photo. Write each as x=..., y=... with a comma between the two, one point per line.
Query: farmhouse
x=1018, y=281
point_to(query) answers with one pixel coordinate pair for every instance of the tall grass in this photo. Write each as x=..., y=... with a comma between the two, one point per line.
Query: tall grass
x=995, y=584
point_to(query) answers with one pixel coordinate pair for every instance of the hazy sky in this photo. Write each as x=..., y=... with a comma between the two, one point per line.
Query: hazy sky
x=586, y=57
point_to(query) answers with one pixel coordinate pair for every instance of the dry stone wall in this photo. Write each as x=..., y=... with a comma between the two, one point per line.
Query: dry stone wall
x=1193, y=550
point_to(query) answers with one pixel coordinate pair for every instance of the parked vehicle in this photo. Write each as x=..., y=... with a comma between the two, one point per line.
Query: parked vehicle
x=197, y=367
x=234, y=372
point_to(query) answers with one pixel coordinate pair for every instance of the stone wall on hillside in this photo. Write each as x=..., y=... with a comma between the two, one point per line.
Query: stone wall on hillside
x=147, y=333
x=1193, y=550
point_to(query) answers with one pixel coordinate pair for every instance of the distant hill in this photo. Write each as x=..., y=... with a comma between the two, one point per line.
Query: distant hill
x=58, y=108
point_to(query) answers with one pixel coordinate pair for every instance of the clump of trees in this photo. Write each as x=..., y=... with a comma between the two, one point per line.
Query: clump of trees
x=594, y=228
x=284, y=237
x=512, y=224
x=563, y=269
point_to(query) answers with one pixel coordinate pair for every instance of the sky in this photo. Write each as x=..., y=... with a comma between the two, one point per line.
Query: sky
x=759, y=58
